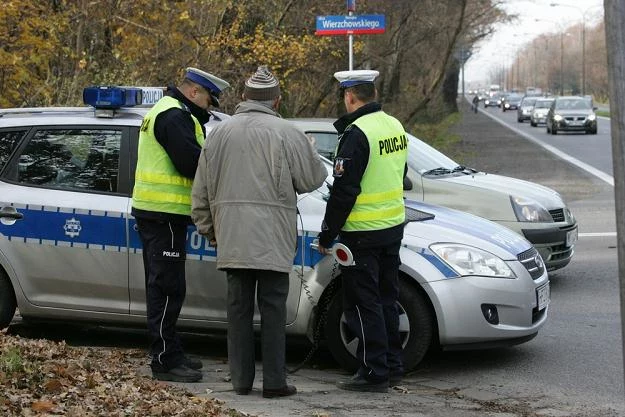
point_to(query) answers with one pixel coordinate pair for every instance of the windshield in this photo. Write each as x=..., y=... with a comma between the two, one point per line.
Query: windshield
x=422, y=157
x=573, y=104
x=543, y=104
x=528, y=102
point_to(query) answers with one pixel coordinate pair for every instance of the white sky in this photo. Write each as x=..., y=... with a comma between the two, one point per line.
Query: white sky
x=502, y=45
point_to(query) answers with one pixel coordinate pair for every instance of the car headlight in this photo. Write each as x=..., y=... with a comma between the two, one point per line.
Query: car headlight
x=527, y=210
x=557, y=117
x=592, y=117
x=468, y=260
x=486, y=101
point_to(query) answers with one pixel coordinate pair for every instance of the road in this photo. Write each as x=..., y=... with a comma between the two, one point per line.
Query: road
x=592, y=150
x=572, y=368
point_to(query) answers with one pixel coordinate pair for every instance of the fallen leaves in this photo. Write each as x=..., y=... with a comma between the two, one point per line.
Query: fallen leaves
x=42, y=377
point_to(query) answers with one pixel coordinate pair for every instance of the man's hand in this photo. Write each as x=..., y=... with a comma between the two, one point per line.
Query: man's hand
x=323, y=251
x=213, y=243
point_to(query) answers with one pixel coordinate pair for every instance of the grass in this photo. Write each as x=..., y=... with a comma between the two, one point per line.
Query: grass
x=438, y=135
x=603, y=113
x=11, y=361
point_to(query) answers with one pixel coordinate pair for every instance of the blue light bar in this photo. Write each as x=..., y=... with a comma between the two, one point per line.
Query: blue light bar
x=103, y=97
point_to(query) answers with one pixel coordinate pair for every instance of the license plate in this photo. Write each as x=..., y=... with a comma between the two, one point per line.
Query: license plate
x=543, y=294
x=571, y=238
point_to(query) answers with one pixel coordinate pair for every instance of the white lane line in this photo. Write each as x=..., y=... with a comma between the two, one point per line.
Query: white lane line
x=591, y=170
x=601, y=234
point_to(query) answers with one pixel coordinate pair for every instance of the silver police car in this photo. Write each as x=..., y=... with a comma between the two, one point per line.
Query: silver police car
x=69, y=249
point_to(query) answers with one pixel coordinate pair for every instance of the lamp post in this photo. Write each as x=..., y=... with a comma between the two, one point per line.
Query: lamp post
x=583, y=13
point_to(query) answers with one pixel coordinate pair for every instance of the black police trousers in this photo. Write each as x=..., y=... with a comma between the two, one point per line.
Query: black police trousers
x=370, y=293
x=164, y=254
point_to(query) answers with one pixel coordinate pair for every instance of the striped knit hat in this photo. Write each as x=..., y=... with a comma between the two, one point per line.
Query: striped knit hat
x=262, y=86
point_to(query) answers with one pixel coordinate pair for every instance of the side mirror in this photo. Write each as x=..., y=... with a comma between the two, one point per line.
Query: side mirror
x=407, y=184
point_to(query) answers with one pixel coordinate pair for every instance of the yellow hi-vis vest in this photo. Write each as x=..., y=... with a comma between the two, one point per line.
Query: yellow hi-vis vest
x=158, y=184
x=380, y=204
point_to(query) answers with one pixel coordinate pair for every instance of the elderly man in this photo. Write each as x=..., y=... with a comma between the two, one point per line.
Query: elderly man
x=244, y=201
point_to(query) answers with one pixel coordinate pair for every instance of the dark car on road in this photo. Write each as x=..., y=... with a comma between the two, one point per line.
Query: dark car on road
x=524, y=111
x=493, y=101
x=511, y=102
x=571, y=114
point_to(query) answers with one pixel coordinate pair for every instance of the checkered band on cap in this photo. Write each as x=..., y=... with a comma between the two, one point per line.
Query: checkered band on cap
x=262, y=86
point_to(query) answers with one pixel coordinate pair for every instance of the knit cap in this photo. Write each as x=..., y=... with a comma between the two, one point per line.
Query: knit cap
x=262, y=86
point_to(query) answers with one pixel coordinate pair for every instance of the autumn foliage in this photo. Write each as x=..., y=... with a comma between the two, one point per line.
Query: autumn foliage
x=51, y=49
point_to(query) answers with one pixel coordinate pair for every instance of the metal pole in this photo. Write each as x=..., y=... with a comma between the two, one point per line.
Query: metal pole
x=351, y=8
x=614, y=18
x=561, y=63
x=583, y=54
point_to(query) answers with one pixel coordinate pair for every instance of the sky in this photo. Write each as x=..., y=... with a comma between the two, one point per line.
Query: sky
x=510, y=37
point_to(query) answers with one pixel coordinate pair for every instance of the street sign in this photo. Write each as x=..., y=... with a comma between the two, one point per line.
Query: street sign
x=350, y=25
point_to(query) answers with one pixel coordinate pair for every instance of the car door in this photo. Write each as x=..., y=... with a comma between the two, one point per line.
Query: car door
x=68, y=246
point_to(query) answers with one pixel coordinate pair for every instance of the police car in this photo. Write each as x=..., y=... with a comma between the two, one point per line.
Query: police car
x=69, y=249
x=535, y=212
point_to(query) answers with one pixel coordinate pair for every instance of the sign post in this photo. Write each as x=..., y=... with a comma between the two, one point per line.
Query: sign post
x=350, y=25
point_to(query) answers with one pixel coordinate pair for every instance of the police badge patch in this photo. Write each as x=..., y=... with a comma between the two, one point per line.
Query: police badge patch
x=339, y=167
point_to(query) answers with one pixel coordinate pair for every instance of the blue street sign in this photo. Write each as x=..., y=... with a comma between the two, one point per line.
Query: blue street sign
x=350, y=25
x=351, y=5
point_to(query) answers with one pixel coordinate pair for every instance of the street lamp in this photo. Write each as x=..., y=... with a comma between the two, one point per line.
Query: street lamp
x=583, y=13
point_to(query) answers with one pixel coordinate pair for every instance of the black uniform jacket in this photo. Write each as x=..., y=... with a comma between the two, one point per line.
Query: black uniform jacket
x=351, y=160
x=175, y=131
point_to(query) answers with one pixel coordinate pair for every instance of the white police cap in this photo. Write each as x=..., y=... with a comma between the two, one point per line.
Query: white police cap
x=355, y=77
x=213, y=84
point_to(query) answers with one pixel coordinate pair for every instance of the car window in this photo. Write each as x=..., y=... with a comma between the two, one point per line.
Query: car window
x=543, y=104
x=325, y=142
x=8, y=143
x=71, y=159
x=528, y=101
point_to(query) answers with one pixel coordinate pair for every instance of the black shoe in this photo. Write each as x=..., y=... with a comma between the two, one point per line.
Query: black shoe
x=358, y=383
x=178, y=374
x=279, y=392
x=395, y=378
x=242, y=391
x=192, y=363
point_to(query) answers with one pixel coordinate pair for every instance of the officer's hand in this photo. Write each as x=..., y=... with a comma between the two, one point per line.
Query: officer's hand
x=311, y=139
x=323, y=251
x=213, y=243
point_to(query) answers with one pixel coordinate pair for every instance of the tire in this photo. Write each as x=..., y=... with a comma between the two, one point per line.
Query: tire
x=554, y=130
x=533, y=124
x=592, y=132
x=416, y=326
x=519, y=120
x=7, y=301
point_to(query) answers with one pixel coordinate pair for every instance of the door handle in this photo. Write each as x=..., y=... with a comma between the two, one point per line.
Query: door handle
x=11, y=213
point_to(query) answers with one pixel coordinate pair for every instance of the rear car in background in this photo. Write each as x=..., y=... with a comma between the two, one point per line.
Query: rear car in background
x=511, y=102
x=571, y=114
x=539, y=113
x=493, y=101
x=535, y=212
x=524, y=112
x=70, y=250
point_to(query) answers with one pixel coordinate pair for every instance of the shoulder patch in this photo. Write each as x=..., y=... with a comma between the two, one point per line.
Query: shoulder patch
x=339, y=167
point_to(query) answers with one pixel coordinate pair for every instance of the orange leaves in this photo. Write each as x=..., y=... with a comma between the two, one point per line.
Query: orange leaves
x=41, y=377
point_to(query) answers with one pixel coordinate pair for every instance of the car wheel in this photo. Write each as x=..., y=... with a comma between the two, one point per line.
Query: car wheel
x=7, y=301
x=416, y=328
x=532, y=124
x=519, y=120
x=592, y=132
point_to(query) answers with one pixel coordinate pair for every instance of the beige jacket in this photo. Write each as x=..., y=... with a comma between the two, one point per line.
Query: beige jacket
x=244, y=192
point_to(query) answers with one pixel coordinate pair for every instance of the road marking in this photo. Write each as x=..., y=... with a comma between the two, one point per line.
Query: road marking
x=599, y=234
x=591, y=170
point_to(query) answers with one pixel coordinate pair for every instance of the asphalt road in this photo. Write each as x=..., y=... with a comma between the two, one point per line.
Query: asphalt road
x=572, y=368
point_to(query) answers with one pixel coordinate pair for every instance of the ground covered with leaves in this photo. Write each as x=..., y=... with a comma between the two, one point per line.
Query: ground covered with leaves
x=46, y=378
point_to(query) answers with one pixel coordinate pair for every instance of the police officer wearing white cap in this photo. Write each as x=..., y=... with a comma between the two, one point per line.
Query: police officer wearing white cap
x=366, y=211
x=170, y=141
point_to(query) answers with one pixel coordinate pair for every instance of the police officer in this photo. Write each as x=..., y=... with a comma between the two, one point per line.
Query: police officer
x=170, y=141
x=366, y=211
